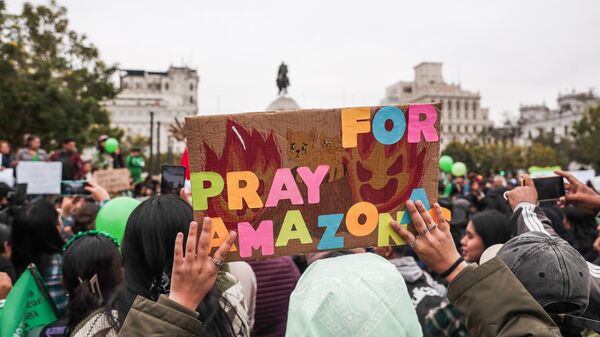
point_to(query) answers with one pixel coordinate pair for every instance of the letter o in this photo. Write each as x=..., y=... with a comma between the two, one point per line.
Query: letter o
x=396, y=133
x=372, y=217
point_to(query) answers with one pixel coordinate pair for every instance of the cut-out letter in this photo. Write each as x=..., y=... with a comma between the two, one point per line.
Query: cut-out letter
x=332, y=223
x=354, y=121
x=313, y=181
x=261, y=238
x=354, y=213
x=416, y=126
x=293, y=228
x=236, y=194
x=284, y=178
x=380, y=132
x=200, y=194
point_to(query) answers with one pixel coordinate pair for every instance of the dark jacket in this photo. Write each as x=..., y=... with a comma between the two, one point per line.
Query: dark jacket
x=495, y=303
x=72, y=165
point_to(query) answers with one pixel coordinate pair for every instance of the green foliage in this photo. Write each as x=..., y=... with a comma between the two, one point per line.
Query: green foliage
x=52, y=80
x=499, y=156
x=586, y=134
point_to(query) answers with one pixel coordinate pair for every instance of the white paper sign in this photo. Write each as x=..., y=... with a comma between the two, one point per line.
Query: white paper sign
x=584, y=175
x=7, y=177
x=40, y=177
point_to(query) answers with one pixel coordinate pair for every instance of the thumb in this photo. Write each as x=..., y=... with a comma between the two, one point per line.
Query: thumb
x=527, y=181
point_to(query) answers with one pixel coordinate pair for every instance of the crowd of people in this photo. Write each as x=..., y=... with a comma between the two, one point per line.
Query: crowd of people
x=504, y=265
x=75, y=166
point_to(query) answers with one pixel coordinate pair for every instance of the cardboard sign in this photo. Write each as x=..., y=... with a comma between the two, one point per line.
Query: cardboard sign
x=116, y=180
x=311, y=180
x=40, y=177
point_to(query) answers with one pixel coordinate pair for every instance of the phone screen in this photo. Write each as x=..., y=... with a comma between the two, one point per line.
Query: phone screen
x=172, y=180
x=73, y=187
x=550, y=188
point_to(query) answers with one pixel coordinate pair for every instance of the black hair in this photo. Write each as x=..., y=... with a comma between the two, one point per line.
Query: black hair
x=35, y=236
x=492, y=227
x=67, y=140
x=4, y=236
x=88, y=256
x=583, y=229
x=84, y=218
x=555, y=215
x=147, y=250
x=30, y=139
x=4, y=190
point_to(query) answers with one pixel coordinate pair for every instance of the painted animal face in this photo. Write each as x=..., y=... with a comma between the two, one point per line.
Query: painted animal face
x=329, y=144
x=301, y=144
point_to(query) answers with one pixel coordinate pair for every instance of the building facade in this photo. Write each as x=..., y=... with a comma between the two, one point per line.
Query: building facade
x=539, y=119
x=168, y=95
x=463, y=118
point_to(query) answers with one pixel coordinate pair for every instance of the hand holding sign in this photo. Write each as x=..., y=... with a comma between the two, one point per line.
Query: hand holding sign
x=195, y=273
x=433, y=242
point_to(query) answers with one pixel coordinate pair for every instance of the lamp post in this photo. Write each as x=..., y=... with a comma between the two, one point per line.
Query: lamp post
x=157, y=146
x=150, y=160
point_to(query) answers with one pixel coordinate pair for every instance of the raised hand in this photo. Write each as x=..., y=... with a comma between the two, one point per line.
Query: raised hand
x=579, y=195
x=195, y=273
x=430, y=239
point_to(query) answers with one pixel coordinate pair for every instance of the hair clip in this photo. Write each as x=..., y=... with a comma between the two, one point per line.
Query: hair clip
x=94, y=286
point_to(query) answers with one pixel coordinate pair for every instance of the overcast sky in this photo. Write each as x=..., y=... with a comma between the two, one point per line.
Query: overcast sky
x=345, y=52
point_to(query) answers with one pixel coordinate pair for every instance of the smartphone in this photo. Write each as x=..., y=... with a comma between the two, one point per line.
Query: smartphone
x=549, y=188
x=172, y=179
x=73, y=187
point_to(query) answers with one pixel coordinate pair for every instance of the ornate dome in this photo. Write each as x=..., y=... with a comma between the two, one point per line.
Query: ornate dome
x=283, y=103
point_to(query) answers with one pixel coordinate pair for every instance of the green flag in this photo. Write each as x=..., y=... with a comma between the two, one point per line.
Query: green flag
x=27, y=306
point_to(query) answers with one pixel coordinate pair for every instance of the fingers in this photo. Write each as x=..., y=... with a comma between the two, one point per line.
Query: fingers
x=570, y=178
x=223, y=250
x=178, y=254
x=527, y=181
x=441, y=221
x=204, y=242
x=406, y=235
x=425, y=214
x=190, y=247
x=416, y=218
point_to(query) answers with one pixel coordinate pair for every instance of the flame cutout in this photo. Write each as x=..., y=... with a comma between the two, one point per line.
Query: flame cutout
x=384, y=175
x=261, y=156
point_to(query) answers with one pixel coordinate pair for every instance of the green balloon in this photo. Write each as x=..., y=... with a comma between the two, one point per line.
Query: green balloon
x=113, y=216
x=111, y=145
x=459, y=169
x=446, y=163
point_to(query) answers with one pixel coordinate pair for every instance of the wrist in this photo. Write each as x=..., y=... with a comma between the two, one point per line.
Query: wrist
x=183, y=300
x=456, y=271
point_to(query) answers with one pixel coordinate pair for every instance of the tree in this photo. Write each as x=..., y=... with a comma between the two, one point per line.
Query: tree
x=52, y=80
x=460, y=152
x=586, y=142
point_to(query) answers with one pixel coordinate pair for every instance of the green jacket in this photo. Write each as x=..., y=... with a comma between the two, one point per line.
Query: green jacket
x=161, y=318
x=495, y=303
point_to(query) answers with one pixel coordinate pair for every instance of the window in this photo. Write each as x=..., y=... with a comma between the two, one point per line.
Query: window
x=191, y=99
x=566, y=130
x=529, y=134
x=167, y=86
x=457, y=105
x=407, y=90
x=474, y=106
x=191, y=87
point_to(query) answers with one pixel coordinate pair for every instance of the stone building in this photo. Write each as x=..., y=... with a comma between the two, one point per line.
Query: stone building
x=463, y=118
x=169, y=95
x=538, y=119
